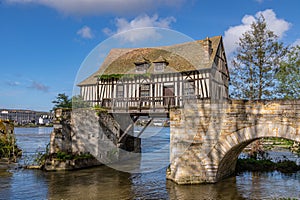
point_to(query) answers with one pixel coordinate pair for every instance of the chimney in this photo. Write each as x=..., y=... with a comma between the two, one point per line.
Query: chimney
x=207, y=47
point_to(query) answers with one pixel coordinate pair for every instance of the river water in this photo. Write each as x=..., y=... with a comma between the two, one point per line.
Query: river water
x=105, y=183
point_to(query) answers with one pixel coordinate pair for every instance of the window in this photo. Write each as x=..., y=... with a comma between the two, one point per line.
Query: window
x=159, y=66
x=145, y=90
x=142, y=67
x=120, y=91
x=189, y=88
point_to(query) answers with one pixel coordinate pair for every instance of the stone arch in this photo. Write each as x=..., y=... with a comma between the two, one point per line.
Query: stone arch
x=231, y=145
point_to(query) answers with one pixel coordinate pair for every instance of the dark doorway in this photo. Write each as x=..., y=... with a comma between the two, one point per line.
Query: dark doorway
x=169, y=98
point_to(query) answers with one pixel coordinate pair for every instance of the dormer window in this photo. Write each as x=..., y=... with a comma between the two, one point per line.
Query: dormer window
x=142, y=65
x=159, y=67
x=160, y=64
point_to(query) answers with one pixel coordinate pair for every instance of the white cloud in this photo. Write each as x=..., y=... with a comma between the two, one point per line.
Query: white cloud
x=85, y=32
x=98, y=7
x=39, y=86
x=13, y=83
x=297, y=42
x=123, y=25
x=232, y=35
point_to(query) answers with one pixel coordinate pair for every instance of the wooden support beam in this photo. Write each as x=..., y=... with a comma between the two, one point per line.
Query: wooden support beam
x=144, y=128
x=128, y=128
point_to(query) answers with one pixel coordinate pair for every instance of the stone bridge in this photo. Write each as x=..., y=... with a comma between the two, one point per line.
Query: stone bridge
x=206, y=137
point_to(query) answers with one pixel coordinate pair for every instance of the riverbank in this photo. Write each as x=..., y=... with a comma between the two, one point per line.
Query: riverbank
x=272, y=154
x=266, y=165
x=32, y=126
x=275, y=143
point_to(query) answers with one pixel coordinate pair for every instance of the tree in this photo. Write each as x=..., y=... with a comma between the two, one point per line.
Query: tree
x=78, y=102
x=289, y=75
x=255, y=64
x=62, y=101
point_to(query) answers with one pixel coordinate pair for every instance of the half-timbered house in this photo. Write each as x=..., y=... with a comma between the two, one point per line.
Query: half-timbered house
x=160, y=77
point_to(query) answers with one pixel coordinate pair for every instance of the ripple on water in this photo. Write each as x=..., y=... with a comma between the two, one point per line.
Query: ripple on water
x=106, y=183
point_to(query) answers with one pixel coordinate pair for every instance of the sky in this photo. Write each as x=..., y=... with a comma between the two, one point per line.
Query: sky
x=43, y=43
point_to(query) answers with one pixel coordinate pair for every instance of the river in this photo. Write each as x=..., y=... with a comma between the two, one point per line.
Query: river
x=106, y=183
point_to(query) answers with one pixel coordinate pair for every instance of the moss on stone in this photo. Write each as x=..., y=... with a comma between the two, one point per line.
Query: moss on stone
x=8, y=147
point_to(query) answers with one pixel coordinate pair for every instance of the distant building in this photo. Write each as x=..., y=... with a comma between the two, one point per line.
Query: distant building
x=22, y=116
x=45, y=119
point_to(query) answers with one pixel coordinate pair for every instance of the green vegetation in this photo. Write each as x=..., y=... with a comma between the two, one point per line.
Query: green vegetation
x=256, y=63
x=99, y=109
x=110, y=76
x=251, y=164
x=264, y=68
x=41, y=158
x=289, y=75
x=78, y=102
x=258, y=158
x=272, y=143
x=124, y=76
x=63, y=156
x=8, y=149
x=285, y=143
x=62, y=101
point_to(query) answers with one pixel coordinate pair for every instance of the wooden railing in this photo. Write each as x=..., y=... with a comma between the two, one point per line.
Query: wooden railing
x=141, y=103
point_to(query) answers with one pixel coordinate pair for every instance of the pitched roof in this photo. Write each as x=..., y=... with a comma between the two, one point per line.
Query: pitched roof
x=180, y=57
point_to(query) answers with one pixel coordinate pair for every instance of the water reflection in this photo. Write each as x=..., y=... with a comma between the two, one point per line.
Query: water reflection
x=223, y=190
x=95, y=183
x=247, y=185
x=22, y=184
x=106, y=183
x=5, y=183
x=271, y=185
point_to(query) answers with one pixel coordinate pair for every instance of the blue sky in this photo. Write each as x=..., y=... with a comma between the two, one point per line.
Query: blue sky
x=44, y=42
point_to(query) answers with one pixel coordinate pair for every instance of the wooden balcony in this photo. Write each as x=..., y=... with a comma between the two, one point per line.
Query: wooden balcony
x=142, y=104
x=145, y=105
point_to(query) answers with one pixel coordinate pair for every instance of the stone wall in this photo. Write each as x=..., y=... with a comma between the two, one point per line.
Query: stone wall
x=6, y=129
x=207, y=137
x=8, y=148
x=88, y=131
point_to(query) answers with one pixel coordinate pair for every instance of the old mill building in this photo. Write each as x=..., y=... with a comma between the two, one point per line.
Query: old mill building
x=159, y=77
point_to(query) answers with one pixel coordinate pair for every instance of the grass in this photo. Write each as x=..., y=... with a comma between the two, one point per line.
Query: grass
x=280, y=142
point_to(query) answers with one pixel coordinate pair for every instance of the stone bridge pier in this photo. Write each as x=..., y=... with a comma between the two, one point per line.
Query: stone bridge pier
x=108, y=138
x=207, y=137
